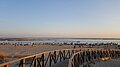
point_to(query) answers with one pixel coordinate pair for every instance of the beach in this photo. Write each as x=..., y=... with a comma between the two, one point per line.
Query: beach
x=12, y=51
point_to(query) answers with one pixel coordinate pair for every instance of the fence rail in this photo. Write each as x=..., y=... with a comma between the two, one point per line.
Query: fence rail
x=86, y=57
x=77, y=57
x=44, y=59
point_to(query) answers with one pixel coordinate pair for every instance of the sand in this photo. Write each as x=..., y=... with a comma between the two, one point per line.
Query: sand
x=11, y=50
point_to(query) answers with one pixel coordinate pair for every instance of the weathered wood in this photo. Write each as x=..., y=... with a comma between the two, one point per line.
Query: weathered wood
x=42, y=60
x=84, y=59
x=55, y=58
x=32, y=61
x=64, y=57
x=38, y=60
x=83, y=56
x=50, y=60
x=47, y=59
x=60, y=56
x=22, y=63
x=69, y=54
x=7, y=65
x=73, y=52
x=35, y=62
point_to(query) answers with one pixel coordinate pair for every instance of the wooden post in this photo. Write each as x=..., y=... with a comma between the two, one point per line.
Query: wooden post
x=60, y=55
x=69, y=53
x=64, y=55
x=35, y=62
x=74, y=61
x=72, y=52
x=55, y=59
x=22, y=63
x=8, y=65
x=78, y=58
x=50, y=61
x=42, y=60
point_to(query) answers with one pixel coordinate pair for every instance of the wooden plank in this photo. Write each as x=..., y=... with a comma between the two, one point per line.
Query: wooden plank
x=23, y=62
x=32, y=61
x=62, y=54
x=54, y=57
x=42, y=60
x=50, y=60
x=64, y=57
x=35, y=62
x=7, y=65
x=47, y=59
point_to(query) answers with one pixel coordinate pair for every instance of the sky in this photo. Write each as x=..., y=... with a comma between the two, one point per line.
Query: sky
x=60, y=18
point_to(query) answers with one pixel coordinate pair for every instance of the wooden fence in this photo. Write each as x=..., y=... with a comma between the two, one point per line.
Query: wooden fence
x=44, y=59
x=77, y=57
x=87, y=57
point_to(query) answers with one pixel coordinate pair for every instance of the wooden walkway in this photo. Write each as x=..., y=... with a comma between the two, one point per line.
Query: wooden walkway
x=60, y=58
x=97, y=64
x=61, y=64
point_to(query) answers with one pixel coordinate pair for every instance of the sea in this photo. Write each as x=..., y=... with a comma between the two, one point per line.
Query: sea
x=67, y=40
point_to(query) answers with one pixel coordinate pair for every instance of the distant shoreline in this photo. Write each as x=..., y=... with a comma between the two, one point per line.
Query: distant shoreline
x=37, y=39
